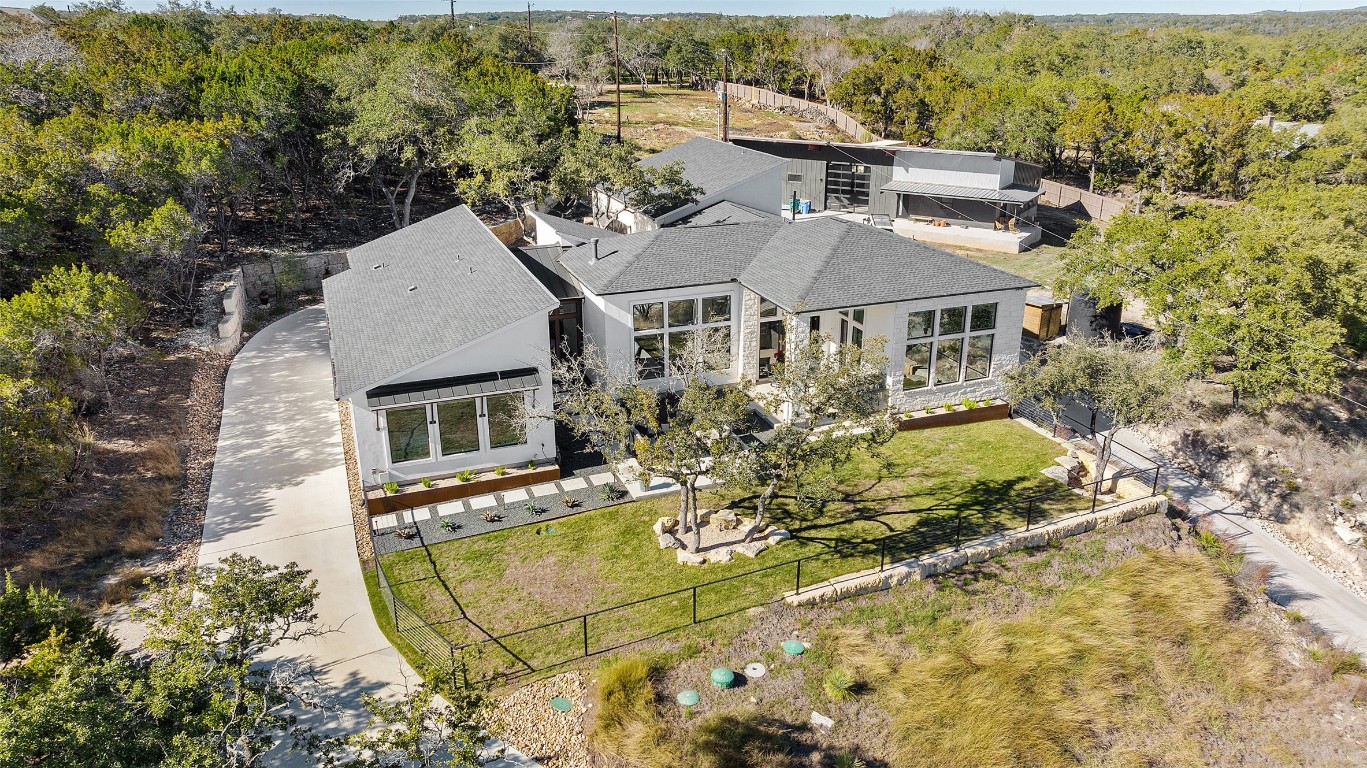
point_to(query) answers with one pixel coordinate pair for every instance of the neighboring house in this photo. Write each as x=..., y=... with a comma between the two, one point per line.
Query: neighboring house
x=724, y=172
x=952, y=326
x=439, y=337
x=977, y=199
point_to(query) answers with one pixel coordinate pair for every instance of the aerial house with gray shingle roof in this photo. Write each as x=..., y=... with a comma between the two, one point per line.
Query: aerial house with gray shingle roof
x=439, y=335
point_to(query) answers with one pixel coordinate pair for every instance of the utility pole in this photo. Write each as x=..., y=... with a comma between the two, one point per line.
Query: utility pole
x=617, y=75
x=725, y=101
x=529, y=24
x=453, y=12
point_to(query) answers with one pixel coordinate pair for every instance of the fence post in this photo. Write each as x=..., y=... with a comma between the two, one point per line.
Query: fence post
x=1096, y=489
x=695, y=605
x=798, y=586
x=958, y=529
x=1156, y=469
x=1029, y=512
x=585, y=617
x=882, y=553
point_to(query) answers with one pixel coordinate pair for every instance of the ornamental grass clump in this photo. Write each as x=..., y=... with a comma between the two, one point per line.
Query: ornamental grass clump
x=626, y=723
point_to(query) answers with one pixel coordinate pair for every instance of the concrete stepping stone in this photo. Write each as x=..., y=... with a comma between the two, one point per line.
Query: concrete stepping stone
x=603, y=478
x=483, y=502
x=545, y=489
x=422, y=514
x=519, y=494
x=380, y=522
x=450, y=508
x=574, y=484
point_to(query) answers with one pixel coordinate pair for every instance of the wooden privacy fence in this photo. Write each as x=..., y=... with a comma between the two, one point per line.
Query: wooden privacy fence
x=773, y=100
x=1099, y=208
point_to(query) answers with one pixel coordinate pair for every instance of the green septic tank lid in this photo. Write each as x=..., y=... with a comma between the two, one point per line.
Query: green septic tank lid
x=561, y=704
x=794, y=647
x=687, y=698
x=723, y=677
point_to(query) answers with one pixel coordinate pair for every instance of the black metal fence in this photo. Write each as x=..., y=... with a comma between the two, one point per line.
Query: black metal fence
x=511, y=655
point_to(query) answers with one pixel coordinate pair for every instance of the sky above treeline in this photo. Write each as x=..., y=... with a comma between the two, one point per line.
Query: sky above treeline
x=388, y=9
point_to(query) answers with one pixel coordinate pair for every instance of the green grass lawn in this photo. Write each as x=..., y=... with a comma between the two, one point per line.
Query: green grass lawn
x=1041, y=263
x=519, y=578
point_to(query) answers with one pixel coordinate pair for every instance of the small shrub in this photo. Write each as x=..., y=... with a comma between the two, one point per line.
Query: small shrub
x=491, y=517
x=426, y=482
x=970, y=404
x=930, y=409
x=741, y=739
x=450, y=525
x=609, y=492
x=626, y=723
x=1337, y=661
x=531, y=465
x=1294, y=616
x=500, y=471
x=1347, y=502
x=391, y=487
x=569, y=502
x=465, y=475
x=839, y=685
x=949, y=407
x=531, y=508
x=848, y=760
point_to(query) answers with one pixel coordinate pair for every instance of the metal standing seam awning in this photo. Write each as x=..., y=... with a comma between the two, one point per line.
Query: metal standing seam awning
x=453, y=388
x=1011, y=194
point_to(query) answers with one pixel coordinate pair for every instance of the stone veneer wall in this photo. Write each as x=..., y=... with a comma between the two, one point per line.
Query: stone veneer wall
x=916, y=569
x=749, y=335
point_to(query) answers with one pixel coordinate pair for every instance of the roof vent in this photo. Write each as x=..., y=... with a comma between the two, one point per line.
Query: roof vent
x=412, y=288
x=378, y=266
x=594, y=242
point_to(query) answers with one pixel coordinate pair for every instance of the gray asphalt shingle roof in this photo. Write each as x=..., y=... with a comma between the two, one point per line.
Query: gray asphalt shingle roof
x=578, y=232
x=726, y=212
x=811, y=266
x=713, y=165
x=441, y=283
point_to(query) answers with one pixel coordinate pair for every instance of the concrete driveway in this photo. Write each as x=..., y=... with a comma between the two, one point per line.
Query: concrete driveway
x=1295, y=582
x=279, y=492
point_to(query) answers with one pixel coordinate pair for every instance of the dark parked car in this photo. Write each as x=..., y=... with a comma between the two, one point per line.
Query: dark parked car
x=1135, y=331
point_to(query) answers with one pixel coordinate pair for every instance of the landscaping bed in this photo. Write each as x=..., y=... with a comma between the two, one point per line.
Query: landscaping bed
x=952, y=414
x=437, y=490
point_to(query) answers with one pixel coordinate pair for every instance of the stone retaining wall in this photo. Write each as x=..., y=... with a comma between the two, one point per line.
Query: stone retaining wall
x=228, y=333
x=287, y=274
x=916, y=569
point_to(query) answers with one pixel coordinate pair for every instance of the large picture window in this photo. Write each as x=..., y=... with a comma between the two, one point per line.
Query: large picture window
x=458, y=426
x=949, y=336
x=408, y=434
x=663, y=330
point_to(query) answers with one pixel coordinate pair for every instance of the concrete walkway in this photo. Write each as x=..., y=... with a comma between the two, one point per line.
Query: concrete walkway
x=1296, y=583
x=279, y=492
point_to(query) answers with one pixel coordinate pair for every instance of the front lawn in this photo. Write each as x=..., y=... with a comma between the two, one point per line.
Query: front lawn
x=519, y=578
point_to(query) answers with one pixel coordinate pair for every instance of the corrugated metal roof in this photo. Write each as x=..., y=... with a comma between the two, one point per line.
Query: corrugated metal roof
x=453, y=388
x=1012, y=194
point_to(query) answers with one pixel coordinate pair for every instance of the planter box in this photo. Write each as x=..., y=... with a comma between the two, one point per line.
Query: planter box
x=959, y=415
x=450, y=489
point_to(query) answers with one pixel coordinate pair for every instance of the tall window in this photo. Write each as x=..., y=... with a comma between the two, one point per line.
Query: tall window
x=662, y=330
x=852, y=327
x=458, y=425
x=408, y=437
x=952, y=338
x=507, y=423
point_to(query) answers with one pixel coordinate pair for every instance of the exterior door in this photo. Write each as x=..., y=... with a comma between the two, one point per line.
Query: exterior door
x=847, y=186
x=567, y=330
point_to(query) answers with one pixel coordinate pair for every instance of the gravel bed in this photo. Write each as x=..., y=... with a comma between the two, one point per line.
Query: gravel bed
x=472, y=523
x=360, y=518
x=526, y=720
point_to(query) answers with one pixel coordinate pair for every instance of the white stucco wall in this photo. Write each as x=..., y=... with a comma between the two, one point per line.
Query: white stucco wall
x=607, y=322
x=525, y=344
x=1005, y=350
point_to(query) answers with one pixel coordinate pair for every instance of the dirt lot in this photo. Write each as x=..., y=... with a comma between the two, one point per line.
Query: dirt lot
x=666, y=116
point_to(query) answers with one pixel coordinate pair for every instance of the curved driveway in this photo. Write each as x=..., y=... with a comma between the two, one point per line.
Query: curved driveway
x=279, y=492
